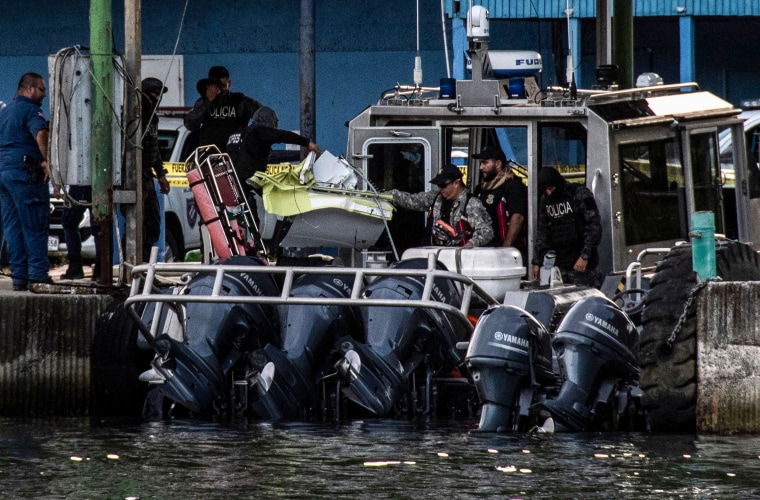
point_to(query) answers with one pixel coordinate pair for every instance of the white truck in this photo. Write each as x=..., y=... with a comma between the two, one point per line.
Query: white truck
x=180, y=228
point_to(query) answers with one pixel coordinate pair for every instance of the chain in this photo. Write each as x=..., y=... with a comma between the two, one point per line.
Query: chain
x=668, y=346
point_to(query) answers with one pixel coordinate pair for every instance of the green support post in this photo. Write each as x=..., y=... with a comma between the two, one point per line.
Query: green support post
x=101, y=145
x=703, y=244
x=622, y=45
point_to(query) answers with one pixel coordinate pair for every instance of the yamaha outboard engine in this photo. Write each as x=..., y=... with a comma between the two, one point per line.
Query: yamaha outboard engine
x=216, y=335
x=510, y=359
x=399, y=339
x=285, y=379
x=597, y=347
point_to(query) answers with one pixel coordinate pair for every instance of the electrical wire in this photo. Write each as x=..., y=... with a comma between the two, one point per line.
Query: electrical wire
x=445, y=42
x=61, y=113
x=172, y=59
x=61, y=104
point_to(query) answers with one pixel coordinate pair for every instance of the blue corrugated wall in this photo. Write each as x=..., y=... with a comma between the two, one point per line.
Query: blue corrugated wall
x=366, y=47
x=528, y=9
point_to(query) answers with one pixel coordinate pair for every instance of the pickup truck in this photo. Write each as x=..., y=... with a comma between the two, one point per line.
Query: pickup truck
x=181, y=219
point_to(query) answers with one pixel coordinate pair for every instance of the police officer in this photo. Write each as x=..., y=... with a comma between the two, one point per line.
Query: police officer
x=24, y=176
x=256, y=142
x=505, y=197
x=152, y=164
x=569, y=224
x=219, y=113
x=456, y=216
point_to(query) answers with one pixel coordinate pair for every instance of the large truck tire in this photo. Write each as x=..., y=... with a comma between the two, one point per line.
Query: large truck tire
x=116, y=363
x=669, y=375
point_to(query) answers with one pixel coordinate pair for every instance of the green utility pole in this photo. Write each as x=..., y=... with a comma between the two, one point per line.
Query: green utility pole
x=101, y=145
x=603, y=33
x=622, y=47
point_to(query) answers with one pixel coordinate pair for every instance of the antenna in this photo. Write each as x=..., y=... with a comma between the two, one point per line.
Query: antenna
x=570, y=71
x=418, y=57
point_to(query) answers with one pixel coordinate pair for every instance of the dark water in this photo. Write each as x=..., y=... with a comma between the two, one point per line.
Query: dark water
x=188, y=460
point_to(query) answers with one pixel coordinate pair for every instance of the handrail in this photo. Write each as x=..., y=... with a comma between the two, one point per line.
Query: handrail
x=635, y=266
x=144, y=278
x=646, y=90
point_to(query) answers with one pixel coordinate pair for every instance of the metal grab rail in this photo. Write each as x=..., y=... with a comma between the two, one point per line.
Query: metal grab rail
x=635, y=266
x=144, y=278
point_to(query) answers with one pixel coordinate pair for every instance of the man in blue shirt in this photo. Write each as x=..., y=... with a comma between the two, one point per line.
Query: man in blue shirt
x=24, y=176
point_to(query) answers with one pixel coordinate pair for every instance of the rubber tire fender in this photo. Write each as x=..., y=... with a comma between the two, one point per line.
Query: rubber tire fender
x=116, y=363
x=669, y=376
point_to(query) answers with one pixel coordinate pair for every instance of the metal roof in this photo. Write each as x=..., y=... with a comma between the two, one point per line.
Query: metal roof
x=543, y=9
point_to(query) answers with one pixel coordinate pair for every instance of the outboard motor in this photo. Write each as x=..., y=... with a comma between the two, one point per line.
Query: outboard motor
x=510, y=359
x=597, y=347
x=399, y=338
x=549, y=305
x=216, y=335
x=285, y=379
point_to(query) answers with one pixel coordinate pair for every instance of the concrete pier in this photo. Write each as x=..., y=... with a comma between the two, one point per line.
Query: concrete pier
x=728, y=358
x=45, y=344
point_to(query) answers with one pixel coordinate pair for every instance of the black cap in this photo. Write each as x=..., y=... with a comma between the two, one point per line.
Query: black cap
x=154, y=85
x=449, y=172
x=549, y=177
x=491, y=153
x=218, y=72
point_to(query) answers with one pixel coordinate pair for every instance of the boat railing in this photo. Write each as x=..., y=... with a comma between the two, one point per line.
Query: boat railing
x=146, y=279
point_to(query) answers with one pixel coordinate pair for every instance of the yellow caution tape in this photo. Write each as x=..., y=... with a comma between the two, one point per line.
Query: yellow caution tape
x=175, y=172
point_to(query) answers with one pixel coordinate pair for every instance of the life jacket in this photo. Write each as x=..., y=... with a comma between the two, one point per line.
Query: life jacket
x=440, y=232
x=497, y=211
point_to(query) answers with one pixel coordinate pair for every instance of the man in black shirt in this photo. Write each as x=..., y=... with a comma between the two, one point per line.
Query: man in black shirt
x=250, y=150
x=256, y=143
x=505, y=198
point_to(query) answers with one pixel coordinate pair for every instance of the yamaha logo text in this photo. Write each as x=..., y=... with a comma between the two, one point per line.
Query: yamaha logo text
x=600, y=322
x=511, y=339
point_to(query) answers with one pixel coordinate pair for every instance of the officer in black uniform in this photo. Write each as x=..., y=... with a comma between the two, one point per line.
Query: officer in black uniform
x=152, y=164
x=569, y=224
x=219, y=113
x=251, y=153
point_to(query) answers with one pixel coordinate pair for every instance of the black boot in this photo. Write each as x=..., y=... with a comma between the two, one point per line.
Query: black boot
x=75, y=271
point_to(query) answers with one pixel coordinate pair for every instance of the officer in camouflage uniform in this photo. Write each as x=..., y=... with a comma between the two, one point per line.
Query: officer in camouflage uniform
x=453, y=204
x=569, y=224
